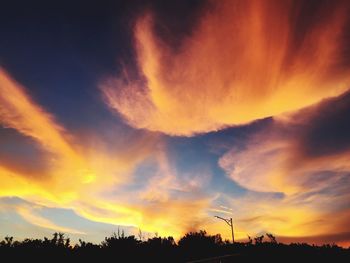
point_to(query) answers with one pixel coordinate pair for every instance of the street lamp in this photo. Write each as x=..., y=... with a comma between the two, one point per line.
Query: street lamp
x=230, y=223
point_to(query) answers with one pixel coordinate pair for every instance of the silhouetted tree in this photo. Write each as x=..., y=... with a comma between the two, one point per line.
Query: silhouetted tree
x=197, y=243
x=259, y=239
x=272, y=238
x=7, y=242
x=250, y=241
x=192, y=246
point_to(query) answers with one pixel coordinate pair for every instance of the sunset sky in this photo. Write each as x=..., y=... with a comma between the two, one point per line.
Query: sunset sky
x=159, y=115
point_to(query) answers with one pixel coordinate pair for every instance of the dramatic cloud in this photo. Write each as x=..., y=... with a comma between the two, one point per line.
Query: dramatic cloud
x=237, y=62
x=294, y=148
x=243, y=61
x=305, y=156
x=106, y=186
x=89, y=179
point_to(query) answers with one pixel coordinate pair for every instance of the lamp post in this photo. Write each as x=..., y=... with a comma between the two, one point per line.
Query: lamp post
x=230, y=223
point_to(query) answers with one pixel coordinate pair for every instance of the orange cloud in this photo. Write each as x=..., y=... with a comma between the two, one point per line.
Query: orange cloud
x=289, y=165
x=70, y=164
x=86, y=178
x=255, y=214
x=156, y=206
x=19, y=112
x=244, y=61
x=305, y=157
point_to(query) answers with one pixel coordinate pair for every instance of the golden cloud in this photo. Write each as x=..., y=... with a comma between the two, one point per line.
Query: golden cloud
x=313, y=185
x=84, y=178
x=243, y=61
x=289, y=165
x=287, y=220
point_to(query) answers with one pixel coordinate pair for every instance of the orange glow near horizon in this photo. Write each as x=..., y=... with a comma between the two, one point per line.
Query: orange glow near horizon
x=74, y=179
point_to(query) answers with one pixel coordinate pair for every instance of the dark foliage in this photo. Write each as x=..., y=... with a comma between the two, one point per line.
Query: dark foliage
x=192, y=246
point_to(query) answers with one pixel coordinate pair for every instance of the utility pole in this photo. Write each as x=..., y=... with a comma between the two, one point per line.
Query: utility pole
x=230, y=223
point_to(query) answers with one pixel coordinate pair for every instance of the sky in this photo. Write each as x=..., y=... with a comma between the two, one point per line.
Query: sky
x=159, y=115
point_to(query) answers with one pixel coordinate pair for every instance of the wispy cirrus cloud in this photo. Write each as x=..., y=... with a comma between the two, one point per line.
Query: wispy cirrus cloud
x=88, y=178
x=285, y=157
x=290, y=148
x=242, y=61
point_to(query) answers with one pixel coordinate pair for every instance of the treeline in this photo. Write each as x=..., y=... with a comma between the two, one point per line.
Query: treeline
x=192, y=246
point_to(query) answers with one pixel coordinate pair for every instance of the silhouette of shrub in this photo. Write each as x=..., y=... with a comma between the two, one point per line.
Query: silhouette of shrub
x=259, y=239
x=272, y=238
x=197, y=243
x=192, y=246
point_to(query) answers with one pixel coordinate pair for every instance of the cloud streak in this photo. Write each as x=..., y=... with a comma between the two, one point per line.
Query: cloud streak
x=19, y=112
x=89, y=179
